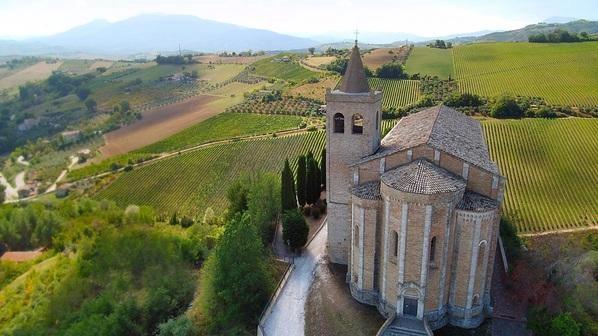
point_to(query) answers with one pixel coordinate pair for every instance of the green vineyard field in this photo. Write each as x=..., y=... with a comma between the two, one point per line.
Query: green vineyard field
x=396, y=93
x=191, y=182
x=430, y=61
x=563, y=74
x=551, y=168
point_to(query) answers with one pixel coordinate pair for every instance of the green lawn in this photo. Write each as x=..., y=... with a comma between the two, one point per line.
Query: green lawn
x=551, y=168
x=431, y=61
x=563, y=73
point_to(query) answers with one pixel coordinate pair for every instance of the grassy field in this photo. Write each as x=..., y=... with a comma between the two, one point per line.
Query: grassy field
x=191, y=182
x=564, y=74
x=290, y=71
x=430, y=61
x=36, y=72
x=551, y=168
x=317, y=90
x=396, y=93
x=224, y=126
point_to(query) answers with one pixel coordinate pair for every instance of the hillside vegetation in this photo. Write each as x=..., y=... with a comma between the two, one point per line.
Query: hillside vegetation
x=551, y=169
x=191, y=182
x=285, y=67
x=562, y=74
x=522, y=34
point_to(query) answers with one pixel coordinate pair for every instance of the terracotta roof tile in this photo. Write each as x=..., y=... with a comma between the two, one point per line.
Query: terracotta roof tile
x=422, y=177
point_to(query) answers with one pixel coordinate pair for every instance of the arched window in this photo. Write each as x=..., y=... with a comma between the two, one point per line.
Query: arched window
x=432, y=249
x=357, y=122
x=339, y=123
x=395, y=244
x=476, y=300
x=356, y=236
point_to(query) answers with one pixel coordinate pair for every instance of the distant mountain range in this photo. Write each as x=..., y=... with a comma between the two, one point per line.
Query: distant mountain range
x=149, y=35
x=156, y=33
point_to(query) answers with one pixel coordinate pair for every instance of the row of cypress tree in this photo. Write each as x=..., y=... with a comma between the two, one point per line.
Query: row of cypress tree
x=306, y=188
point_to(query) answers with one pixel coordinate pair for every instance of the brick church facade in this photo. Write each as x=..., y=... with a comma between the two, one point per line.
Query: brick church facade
x=414, y=215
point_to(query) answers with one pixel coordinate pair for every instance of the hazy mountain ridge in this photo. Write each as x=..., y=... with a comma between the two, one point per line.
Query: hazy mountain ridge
x=522, y=34
x=148, y=35
x=157, y=33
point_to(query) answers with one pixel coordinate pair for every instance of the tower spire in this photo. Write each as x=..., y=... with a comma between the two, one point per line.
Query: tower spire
x=354, y=80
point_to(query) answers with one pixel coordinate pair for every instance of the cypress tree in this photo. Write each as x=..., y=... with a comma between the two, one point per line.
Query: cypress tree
x=287, y=193
x=310, y=166
x=323, y=167
x=301, y=195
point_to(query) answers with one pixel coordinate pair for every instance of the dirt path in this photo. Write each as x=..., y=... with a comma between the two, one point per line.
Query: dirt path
x=288, y=313
x=62, y=175
x=158, y=124
x=580, y=229
x=11, y=193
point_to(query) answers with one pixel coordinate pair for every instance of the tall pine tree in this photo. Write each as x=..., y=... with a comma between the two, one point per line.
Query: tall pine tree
x=301, y=179
x=323, y=167
x=287, y=192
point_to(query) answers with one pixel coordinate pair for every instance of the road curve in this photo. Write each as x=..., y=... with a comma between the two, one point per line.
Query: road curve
x=288, y=313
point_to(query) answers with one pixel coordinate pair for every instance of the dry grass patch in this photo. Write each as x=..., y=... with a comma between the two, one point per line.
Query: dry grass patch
x=158, y=124
x=315, y=90
x=317, y=61
x=331, y=310
x=215, y=59
x=38, y=71
x=100, y=64
x=377, y=57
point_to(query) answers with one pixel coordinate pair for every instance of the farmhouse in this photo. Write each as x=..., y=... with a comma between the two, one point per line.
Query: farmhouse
x=414, y=215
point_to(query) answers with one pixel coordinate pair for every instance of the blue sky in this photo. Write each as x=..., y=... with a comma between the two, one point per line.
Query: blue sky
x=23, y=18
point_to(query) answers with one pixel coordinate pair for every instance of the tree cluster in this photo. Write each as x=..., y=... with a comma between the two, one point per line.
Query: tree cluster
x=259, y=197
x=393, y=70
x=175, y=59
x=309, y=180
x=558, y=36
x=236, y=279
x=457, y=99
x=506, y=106
x=440, y=44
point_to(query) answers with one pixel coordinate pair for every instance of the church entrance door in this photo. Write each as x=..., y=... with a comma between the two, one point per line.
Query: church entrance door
x=409, y=306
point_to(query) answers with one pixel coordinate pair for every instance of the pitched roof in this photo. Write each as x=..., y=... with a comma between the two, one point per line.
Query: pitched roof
x=354, y=80
x=368, y=190
x=472, y=201
x=422, y=177
x=442, y=128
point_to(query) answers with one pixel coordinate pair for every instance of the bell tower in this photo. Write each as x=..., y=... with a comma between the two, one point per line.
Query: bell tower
x=353, y=119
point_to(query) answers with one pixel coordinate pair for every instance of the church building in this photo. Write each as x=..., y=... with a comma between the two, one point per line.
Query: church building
x=414, y=215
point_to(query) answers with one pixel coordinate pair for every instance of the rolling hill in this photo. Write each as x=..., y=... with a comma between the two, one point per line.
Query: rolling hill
x=522, y=34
